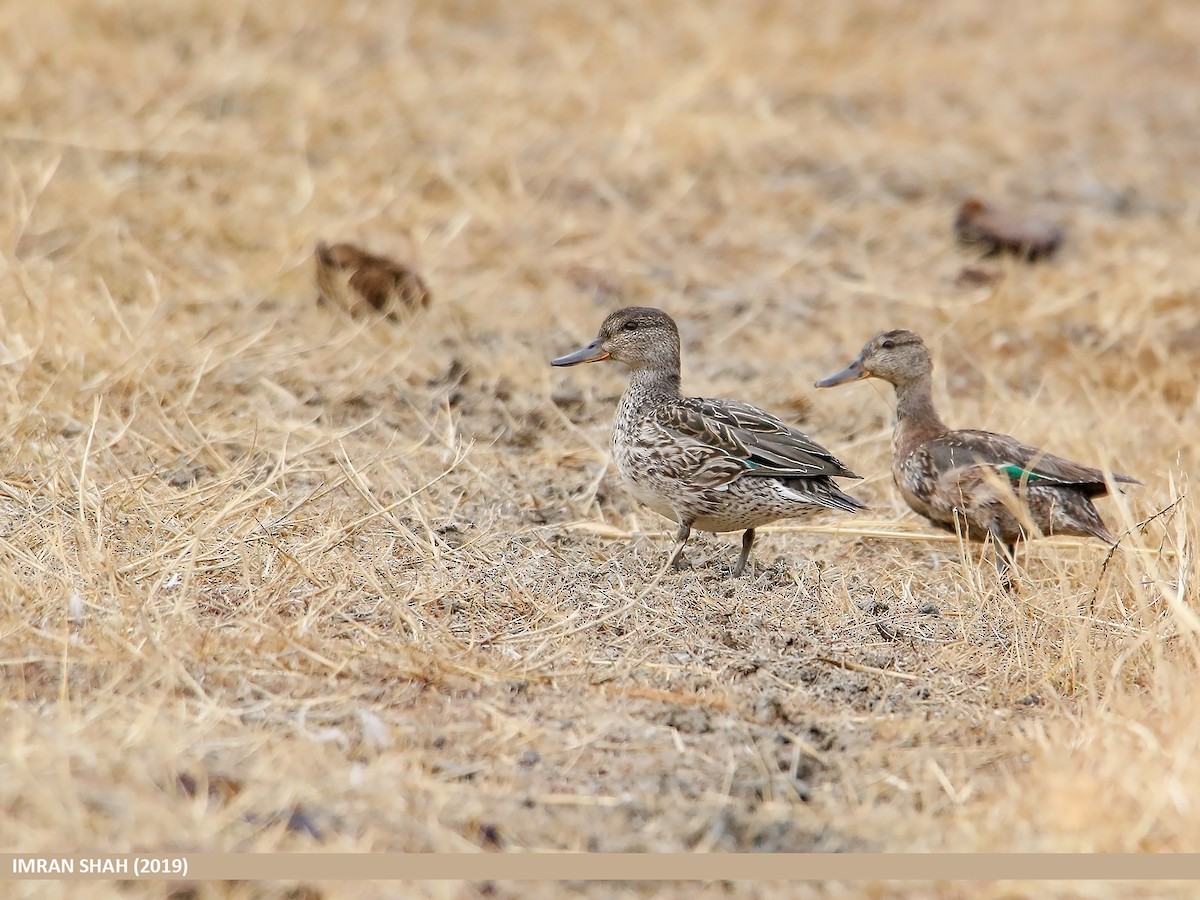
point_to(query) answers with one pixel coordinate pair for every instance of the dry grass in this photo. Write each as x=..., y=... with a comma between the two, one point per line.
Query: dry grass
x=265, y=562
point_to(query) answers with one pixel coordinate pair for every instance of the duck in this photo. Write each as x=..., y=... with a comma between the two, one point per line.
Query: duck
x=967, y=481
x=707, y=464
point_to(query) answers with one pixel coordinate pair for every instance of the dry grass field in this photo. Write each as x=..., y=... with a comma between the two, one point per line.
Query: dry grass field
x=277, y=578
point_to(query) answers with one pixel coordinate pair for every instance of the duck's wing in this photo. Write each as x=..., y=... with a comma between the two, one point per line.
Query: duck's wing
x=1019, y=462
x=762, y=443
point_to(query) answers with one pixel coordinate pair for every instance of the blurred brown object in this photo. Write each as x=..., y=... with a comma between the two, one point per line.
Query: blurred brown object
x=976, y=276
x=358, y=281
x=997, y=229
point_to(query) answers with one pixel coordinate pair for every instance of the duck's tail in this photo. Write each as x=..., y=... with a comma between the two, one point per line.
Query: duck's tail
x=823, y=492
x=1074, y=513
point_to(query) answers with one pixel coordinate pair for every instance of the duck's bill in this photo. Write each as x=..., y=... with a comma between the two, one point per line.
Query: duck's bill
x=852, y=372
x=591, y=353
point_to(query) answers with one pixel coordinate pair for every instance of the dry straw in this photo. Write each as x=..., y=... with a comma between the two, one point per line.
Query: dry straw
x=279, y=578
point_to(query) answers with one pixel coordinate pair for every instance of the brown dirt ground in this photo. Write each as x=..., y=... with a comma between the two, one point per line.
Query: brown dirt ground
x=280, y=579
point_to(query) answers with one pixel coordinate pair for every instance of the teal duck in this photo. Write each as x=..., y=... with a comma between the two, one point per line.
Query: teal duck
x=967, y=481
x=712, y=465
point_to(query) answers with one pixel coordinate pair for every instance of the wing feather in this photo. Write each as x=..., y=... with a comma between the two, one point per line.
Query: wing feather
x=763, y=443
x=958, y=449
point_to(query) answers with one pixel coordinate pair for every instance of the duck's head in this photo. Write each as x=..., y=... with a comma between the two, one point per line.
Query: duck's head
x=639, y=336
x=898, y=356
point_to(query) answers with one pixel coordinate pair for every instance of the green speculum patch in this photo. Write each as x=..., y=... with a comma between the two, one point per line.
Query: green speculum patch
x=1016, y=472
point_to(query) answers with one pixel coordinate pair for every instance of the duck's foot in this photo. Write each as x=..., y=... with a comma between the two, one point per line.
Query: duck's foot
x=1008, y=580
x=725, y=571
x=680, y=563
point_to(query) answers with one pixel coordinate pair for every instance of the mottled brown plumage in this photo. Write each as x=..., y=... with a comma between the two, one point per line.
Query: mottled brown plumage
x=996, y=229
x=359, y=282
x=976, y=482
x=714, y=465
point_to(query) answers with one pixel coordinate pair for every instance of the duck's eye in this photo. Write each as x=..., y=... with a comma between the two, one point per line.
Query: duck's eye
x=631, y=325
x=888, y=344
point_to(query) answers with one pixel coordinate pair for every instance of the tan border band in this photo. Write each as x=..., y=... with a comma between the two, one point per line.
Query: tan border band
x=604, y=866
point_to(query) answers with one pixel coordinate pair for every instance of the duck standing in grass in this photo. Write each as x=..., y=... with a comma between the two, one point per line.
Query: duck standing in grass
x=713, y=465
x=969, y=481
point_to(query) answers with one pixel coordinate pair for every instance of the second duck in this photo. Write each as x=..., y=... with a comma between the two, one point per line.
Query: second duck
x=966, y=480
x=713, y=465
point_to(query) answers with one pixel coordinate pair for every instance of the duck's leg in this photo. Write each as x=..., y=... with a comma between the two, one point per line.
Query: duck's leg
x=681, y=536
x=747, y=543
x=1006, y=558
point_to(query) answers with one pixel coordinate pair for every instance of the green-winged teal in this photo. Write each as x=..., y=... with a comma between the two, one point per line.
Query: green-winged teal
x=713, y=465
x=970, y=481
